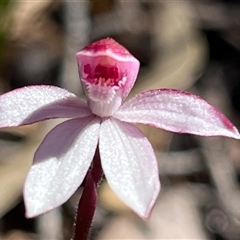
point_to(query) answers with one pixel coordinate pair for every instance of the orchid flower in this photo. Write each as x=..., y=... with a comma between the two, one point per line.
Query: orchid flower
x=107, y=73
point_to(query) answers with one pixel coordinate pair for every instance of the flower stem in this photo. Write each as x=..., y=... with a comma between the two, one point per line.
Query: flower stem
x=88, y=200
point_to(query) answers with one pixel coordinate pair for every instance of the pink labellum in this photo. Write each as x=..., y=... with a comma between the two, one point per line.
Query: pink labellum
x=107, y=72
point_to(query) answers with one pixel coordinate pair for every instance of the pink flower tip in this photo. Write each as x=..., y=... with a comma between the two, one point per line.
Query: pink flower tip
x=109, y=45
x=108, y=72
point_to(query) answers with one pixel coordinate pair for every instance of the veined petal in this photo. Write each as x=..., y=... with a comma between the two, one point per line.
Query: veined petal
x=60, y=164
x=36, y=103
x=130, y=165
x=176, y=111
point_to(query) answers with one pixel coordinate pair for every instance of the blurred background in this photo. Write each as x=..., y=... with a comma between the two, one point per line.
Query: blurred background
x=190, y=45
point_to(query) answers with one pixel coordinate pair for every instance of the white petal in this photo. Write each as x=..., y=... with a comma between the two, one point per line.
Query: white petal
x=176, y=111
x=60, y=164
x=130, y=165
x=35, y=103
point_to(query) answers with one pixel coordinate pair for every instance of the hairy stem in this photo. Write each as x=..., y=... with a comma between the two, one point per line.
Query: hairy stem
x=88, y=200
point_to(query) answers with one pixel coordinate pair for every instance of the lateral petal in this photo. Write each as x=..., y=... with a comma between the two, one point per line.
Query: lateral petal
x=36, y=103
x=176, y=111
x=130, y=165
x=60, y=164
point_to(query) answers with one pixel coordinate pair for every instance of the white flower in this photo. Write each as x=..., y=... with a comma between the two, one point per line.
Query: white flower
x=107, y=72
